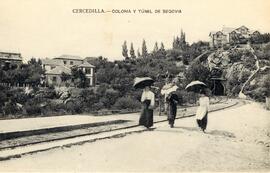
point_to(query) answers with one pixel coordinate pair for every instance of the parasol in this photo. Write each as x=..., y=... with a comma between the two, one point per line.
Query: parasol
x=195, y=85
x=167, y=89
x=142, y=82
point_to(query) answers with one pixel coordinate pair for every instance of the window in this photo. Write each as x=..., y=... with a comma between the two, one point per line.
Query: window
x=65, y=62
x=54, y=79
x=71, y=62
x=87, y=71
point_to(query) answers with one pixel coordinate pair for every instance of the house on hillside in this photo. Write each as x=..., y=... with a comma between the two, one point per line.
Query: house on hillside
x=88, y=70
x=53, y=76
x=10, y=58
x=231, y=35
x=69, y=60
x=54, y=68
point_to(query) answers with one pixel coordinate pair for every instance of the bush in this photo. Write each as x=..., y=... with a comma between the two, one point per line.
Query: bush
x=32, y=108
x=19, y=96
x=74, y=106
x=49, y=93
x=127, y=103
x=258, y=94
x=97, y=106
x=186, y=97
x=197, y=71
x=11, y=108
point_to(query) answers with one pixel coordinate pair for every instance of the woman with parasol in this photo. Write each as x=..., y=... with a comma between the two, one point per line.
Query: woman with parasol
x=147, y=99
x=202, y=111
x=172, y=100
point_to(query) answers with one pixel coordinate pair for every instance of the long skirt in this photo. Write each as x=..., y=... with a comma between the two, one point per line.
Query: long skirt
x=146, y=118
x=171, y=113
x=203, y=122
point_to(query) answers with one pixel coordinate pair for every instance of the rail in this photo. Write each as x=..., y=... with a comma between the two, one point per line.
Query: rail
x=121, y=128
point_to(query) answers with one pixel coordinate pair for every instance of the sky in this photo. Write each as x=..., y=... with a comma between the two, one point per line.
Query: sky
x=40, y=29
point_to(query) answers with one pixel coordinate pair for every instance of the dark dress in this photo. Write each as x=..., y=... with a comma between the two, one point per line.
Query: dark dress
x=172, y=101
x=203, y=122
x=146, y=118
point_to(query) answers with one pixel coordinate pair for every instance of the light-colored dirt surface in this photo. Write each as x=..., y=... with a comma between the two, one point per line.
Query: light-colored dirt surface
x=236, y=140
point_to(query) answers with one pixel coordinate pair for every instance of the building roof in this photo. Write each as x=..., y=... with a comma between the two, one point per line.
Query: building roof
x=10, y=56
x=227, y=30
x=212, y=33
x=58, y=70
x=48, y=61
x=243, y=27
x=70, y=57
x=86, y=64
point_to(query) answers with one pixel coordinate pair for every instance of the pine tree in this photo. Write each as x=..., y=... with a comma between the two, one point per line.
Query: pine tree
x=138, y=53
x=155, y=47
x=162, y=50
x=182, y=38
x=180, y=42
x=174, y=43
x=162, y=46
x=132, y=52
x=144, y=49
x=125, y=50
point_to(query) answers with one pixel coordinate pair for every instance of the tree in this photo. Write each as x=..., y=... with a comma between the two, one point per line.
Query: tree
x=162, y=49
x=78, y=77
x=138, y=53
x=65, y=77
x=144, y=49
x=180, y=42
x=32, y=72
x=162, y=46
x=197, y=71
x=132, y=52
x=125, y=50
x=155, y=47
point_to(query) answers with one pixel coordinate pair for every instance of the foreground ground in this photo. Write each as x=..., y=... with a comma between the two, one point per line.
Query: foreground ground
x=237, y=139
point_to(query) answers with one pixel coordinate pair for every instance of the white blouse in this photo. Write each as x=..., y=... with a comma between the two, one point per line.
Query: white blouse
x=148, y=95
x=203, y=108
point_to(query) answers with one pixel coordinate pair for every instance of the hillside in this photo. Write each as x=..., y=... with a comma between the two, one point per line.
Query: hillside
x=241, y=69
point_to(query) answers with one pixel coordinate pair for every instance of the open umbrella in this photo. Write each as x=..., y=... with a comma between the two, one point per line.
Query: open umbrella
x=195, y=86
x=142, y=82
x=168, y=89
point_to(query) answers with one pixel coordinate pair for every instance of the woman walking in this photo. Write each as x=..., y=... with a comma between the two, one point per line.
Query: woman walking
x=202, y=111
x=172, y=100
x=148, y=102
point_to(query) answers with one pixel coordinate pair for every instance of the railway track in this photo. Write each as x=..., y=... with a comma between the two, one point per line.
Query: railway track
x=57, y=136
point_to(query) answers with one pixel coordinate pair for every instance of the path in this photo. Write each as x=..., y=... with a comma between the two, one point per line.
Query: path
x=237, y=139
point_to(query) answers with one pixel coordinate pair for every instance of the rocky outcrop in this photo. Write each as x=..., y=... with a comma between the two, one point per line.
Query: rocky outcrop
x=237, y=65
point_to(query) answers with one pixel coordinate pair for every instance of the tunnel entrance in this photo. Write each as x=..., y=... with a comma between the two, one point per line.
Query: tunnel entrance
x=217, y=87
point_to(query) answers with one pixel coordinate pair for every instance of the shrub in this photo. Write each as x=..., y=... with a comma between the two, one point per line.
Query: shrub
x=197, y=71
x=19, y=96
x=46, y=93
x=186, y=97
x=32, y=108
x=74, y=106
x=127, y=103
x=97, y=106
x=11, y=108
x=258, y=94
x=53, y=108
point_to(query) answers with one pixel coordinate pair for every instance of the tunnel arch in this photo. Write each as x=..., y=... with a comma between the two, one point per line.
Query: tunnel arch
x=218, y=88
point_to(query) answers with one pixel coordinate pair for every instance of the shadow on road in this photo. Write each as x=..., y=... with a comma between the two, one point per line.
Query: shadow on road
x=213, y=132
x=221, y=133
x=169, y=130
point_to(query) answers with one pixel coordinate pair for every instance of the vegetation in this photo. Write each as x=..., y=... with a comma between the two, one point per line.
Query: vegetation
x=114, y=79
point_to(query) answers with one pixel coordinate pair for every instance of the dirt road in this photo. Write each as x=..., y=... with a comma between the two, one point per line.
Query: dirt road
x=237, y=139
